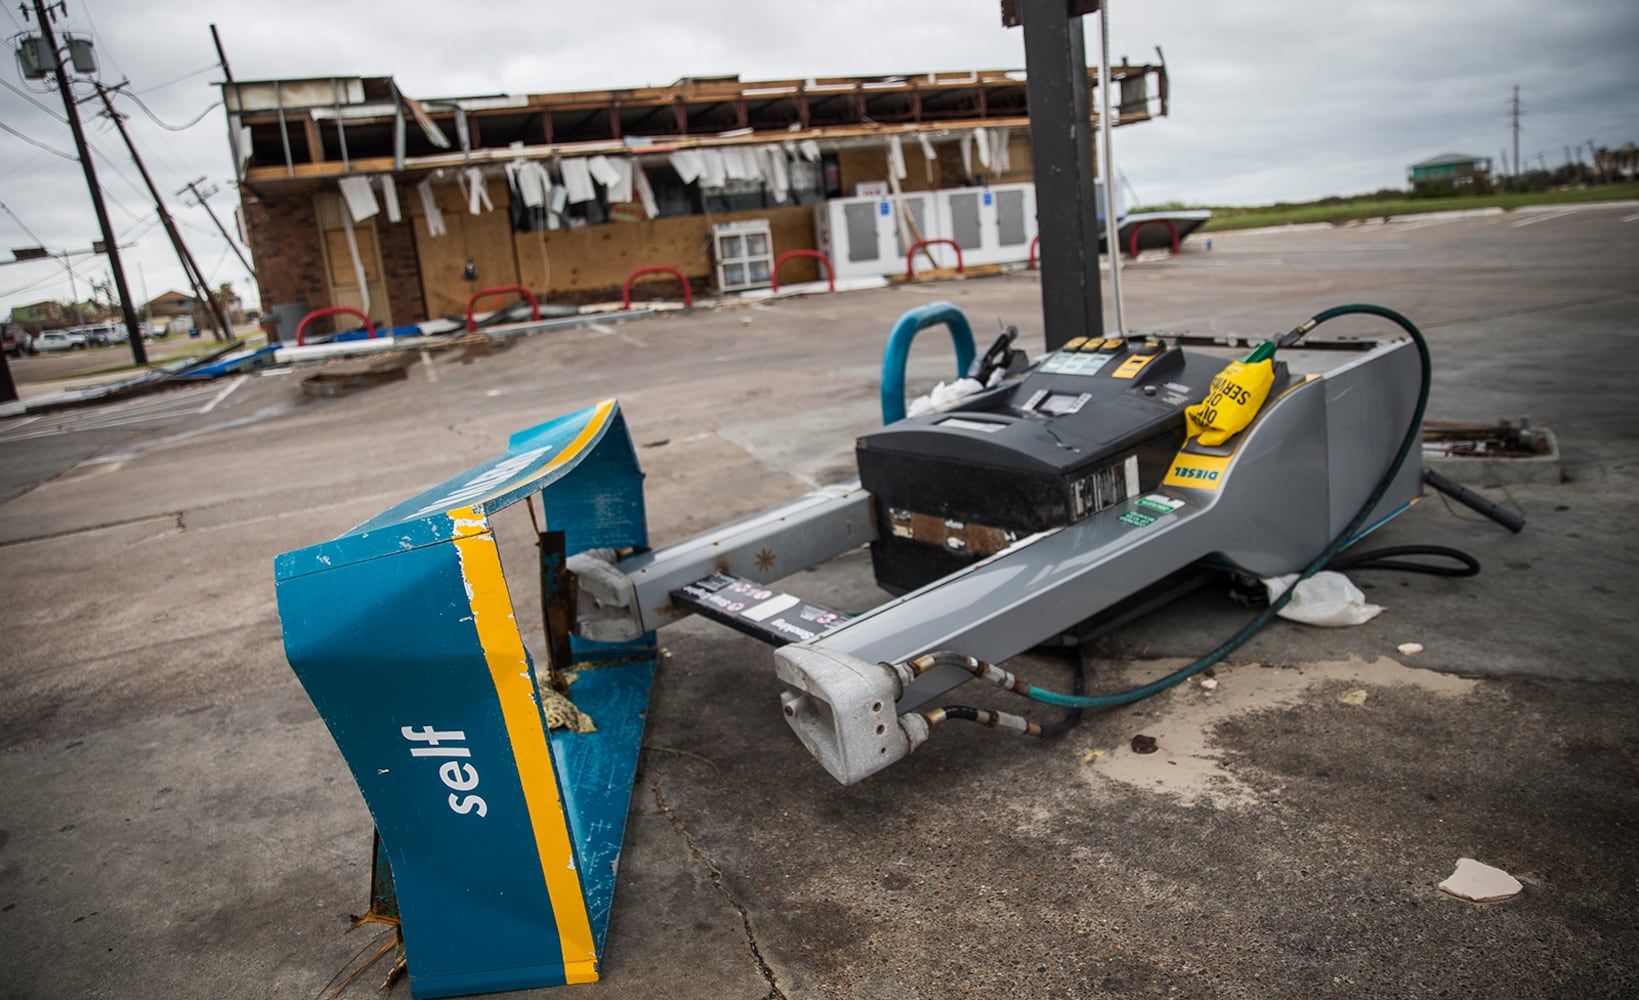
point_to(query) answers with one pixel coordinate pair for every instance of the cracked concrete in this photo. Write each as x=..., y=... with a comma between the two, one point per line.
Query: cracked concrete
x=721, y=882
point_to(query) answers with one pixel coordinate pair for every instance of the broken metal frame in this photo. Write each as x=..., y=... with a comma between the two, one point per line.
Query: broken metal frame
x=502, y=834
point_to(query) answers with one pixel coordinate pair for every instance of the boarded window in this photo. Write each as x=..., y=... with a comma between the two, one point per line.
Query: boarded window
x=341, y=259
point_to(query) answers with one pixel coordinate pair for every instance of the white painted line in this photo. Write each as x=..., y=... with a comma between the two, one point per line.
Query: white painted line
x=1631, y=218
x=226, y=390
x=192, y=401
x=1424, y=224
x=1544, y=217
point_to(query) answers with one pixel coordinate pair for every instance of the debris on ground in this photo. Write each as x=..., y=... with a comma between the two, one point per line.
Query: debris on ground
x=1143, y=744
x=1410, y=648
x=1327, y=599
x=1354, y=697
x=1481, y=883
x=345, y=377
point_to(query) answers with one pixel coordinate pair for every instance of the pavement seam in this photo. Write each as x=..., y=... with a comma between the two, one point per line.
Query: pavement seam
x=175, y=517
x=721, y=882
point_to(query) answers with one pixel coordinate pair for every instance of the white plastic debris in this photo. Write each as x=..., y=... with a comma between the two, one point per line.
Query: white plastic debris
x=1410, y=648
x=1210, y=683
x=1327, y=599
x=944, y=396
x=1481, y=882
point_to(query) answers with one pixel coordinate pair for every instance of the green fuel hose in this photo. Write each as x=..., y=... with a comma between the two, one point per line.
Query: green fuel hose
x=1411, y=440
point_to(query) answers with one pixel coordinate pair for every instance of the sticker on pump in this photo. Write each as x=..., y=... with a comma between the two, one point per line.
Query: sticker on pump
x=1157, y=502
x=1201, y=472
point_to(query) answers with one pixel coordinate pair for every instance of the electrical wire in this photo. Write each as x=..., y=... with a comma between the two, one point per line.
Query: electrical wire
x=38, y=143
x=188, y=76
x=25, y=95
x=25, y=227
x=165, y=125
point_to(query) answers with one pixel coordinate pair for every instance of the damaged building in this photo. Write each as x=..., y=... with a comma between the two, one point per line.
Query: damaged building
x=356, y=194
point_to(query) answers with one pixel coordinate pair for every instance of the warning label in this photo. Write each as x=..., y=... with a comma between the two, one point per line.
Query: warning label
x=1104, y=488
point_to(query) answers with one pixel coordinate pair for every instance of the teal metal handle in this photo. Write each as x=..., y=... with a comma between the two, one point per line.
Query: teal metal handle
x=899, y=349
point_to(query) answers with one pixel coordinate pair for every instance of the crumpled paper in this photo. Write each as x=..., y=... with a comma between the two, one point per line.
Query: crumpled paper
x=944, y=395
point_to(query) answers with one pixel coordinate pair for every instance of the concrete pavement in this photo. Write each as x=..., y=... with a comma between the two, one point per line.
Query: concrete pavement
x=176, y=821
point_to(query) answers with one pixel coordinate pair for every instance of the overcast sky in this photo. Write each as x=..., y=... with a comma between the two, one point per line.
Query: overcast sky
x=1271, y=99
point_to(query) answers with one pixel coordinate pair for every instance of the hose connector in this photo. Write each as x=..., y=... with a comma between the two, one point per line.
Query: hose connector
x=1297, y=333
x=842, y=709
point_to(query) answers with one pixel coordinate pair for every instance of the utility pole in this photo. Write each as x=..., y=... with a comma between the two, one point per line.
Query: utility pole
x=233, y=133
x=213, y=309
x=200, y=200
x=1516, y=132
x=139, y=353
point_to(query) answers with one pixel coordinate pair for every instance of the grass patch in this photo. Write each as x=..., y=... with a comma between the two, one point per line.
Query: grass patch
x=1339, y=210
x=160, y=352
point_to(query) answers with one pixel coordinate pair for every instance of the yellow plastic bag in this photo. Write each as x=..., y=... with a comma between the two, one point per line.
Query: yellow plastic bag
x=1234, y=399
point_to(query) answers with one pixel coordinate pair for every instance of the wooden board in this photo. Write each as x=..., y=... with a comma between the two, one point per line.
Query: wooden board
x=593, y=262
x=485, y=239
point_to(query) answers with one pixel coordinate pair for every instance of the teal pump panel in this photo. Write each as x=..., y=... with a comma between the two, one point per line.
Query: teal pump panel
x=503, y=834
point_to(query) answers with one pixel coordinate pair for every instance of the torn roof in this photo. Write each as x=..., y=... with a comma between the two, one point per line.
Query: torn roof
x=320, y=127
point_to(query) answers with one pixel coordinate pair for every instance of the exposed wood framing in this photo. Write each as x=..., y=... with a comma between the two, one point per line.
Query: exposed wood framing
x=689, y=113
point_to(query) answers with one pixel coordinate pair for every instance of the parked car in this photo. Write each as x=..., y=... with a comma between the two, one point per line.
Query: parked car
x=18, y=341
x=95, y=334
x=59, y=340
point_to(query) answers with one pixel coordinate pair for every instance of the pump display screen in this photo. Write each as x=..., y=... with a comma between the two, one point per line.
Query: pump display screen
x=1059, y=403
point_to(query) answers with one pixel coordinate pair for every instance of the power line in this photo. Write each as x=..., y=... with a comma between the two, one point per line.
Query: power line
x=25, y=95
x=189, y=76
x=164, y=125
x=36, y=142
x=31, y=233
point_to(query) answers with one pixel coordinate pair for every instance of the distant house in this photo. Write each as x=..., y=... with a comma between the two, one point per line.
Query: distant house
x=1617, y=164
x=172, y=303
x=39, y=316
x=1452, y=172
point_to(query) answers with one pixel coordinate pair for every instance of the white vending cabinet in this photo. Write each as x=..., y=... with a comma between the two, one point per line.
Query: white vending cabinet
x=861, y=235
x=993, y=224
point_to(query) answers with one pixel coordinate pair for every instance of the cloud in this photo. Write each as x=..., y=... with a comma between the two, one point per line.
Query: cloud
x=1271, y=99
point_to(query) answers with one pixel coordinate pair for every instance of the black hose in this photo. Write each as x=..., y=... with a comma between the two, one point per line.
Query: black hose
x=1052, y=730
x=1071, y=718
x=1463, y=495
x=1385, y=558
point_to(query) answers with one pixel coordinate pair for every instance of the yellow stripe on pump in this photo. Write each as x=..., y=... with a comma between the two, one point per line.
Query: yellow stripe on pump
x=504, y=651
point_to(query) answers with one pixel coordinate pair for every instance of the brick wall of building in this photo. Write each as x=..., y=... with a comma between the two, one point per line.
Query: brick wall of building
x=284, y=241
x=401, y=269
